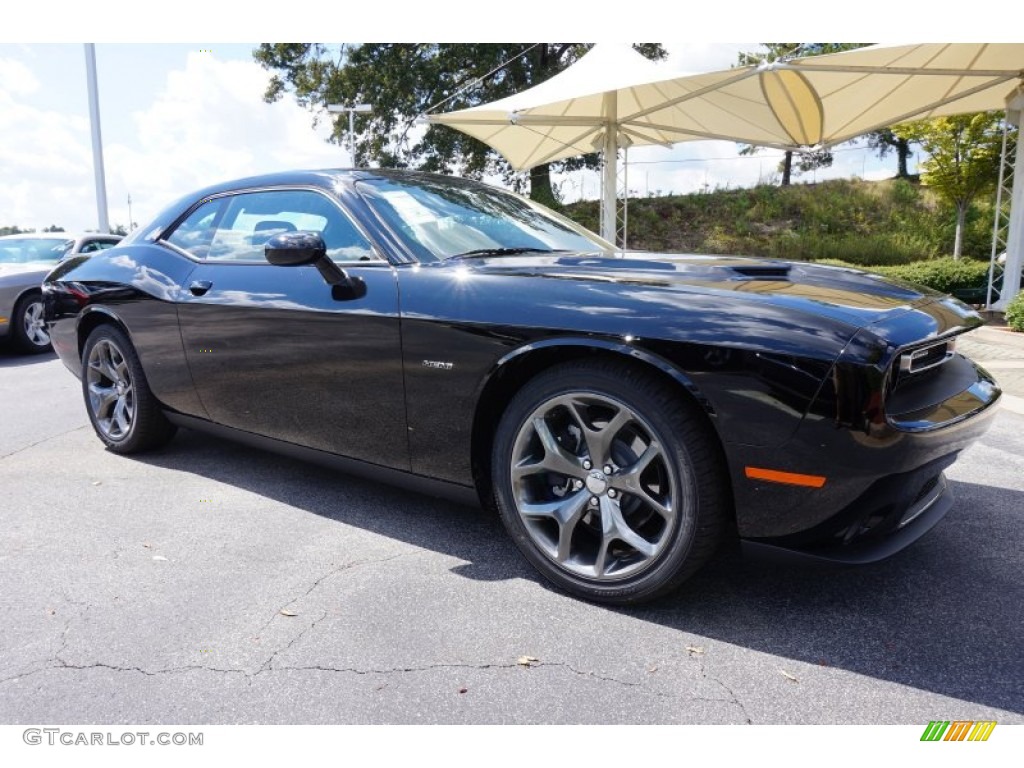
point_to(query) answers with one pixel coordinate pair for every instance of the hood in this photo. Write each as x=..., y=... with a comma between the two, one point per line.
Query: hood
x=26, y=268
x=848, y=296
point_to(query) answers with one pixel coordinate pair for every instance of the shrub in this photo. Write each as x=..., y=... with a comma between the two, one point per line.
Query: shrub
x=945, y=275
x=1015, y=313
x=865, y=250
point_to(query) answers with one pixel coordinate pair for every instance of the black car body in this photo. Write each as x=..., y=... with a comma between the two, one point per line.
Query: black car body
x=817, y=405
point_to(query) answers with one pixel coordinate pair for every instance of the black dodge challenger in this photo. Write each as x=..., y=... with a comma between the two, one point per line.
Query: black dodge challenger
x=624, y=413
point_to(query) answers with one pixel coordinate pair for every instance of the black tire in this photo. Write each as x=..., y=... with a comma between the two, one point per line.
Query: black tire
x=27, y=333
x=122, y=409
x=666, y=493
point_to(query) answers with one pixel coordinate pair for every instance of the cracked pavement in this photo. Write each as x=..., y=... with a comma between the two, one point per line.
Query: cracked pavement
x=212, y=583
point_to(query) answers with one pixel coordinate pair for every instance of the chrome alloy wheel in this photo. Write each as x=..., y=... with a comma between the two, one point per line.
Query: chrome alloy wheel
x=34, y=324
x=111, y=392
x=593, y=486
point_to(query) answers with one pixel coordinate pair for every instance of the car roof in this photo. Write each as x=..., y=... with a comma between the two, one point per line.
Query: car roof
x=325, y=177
x=57, y=235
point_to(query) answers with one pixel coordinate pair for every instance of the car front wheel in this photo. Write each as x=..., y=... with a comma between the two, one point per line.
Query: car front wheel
x=123, y=411
x=29, y=329
x=609, y=482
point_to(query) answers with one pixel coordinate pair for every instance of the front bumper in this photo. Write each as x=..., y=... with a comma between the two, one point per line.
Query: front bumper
x=880, y=451
x=893, y=514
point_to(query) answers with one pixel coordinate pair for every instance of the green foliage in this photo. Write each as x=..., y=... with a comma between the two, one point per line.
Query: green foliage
x=13, y=230
x=946, y=274
x=861, y=222
x=53, y=228
x=1015, y=313
x=403, y=81
x=963, y=159
x=869, y=250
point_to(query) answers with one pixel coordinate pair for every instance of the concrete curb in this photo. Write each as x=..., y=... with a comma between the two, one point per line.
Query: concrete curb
x=1012, y=403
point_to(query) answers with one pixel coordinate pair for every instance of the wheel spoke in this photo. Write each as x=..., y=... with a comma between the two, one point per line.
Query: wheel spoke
x=104, y=364
x=101, y=397
x=565, y=512
x=615, y=528
x=599, y=441
x=119, y=417
x=556, y=458
x=628, y=480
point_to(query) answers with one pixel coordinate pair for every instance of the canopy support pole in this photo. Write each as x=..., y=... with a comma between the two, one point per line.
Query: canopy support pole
x=1015, y=236
x=609, y=184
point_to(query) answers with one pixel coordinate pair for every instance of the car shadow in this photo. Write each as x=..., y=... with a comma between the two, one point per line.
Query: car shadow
x=11, y=358
x=943, y=616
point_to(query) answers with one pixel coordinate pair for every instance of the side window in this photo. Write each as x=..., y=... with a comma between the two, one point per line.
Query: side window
x=196, y=232
x=94, y=246
x=250, y=219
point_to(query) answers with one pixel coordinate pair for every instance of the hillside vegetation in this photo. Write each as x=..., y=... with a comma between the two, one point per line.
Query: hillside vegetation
x=858, y=222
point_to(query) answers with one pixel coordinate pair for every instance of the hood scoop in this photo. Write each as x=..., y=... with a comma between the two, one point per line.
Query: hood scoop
x=763, y=272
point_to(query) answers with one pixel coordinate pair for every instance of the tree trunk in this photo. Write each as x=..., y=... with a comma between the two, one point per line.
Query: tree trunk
x=961, y=217
x=903, y=152
x=540, y=175
x=787, y=168
x=540, y=185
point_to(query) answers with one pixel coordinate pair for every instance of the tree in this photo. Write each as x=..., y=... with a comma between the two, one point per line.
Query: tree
x=53, y=228
x=963, y=159
x=886, y=141
x=404, y=81
x=119, y=229
x=13, y=230
x=812, y=159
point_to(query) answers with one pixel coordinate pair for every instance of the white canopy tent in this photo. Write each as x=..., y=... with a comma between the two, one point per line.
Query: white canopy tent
x=576, y=112
x=613, y=97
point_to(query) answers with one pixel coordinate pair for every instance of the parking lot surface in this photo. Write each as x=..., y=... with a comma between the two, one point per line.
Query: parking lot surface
x=212, y=583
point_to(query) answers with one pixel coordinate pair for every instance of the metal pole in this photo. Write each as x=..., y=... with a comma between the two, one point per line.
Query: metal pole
x=97, y=139
x=1015, y=237
x=352, y=135
x=611, y=150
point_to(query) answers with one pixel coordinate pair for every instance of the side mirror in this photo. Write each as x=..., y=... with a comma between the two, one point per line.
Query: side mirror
x=295, y=249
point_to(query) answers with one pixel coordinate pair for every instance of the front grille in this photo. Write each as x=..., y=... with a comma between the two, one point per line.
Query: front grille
x=923, y=358
x=911, y=363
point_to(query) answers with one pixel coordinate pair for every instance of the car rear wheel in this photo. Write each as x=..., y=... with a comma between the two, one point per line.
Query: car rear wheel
x=123, y=411
x=609, y=482
x=29, y=329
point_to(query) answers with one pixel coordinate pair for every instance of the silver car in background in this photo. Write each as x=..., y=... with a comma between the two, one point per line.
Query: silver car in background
x=25, y=260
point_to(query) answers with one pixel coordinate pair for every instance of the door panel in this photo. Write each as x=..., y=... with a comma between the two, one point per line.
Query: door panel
x=272, y=352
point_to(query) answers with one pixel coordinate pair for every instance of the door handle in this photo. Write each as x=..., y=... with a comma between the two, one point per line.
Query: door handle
x=199, y=287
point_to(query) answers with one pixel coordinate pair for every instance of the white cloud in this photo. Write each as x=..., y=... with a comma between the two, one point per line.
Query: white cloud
x=41, y=154
x=15, y=77
x=210, y=124
x=207, y=124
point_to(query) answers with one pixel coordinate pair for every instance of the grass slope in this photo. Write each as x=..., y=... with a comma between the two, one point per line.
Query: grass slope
x=857, y=222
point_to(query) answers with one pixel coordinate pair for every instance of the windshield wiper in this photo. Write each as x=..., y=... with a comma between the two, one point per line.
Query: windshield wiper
x=503, y=252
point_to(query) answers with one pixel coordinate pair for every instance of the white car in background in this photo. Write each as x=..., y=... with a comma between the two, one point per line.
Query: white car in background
x=25, y=260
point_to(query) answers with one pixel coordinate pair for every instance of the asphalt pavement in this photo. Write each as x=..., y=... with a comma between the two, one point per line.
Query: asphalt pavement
x=213, y=583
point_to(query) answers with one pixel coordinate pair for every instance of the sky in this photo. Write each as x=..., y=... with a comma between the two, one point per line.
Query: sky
x=177, y=116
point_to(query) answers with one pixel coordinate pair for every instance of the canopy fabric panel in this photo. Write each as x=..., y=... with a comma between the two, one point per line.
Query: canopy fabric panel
x=819, y=100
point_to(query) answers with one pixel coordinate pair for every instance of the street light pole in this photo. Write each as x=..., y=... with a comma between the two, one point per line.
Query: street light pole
x=97, y=139
x=353, y=110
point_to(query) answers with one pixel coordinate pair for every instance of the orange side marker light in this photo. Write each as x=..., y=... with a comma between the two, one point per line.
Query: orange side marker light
x=786, y=478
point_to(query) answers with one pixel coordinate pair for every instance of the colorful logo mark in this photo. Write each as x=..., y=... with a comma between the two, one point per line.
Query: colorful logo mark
x=958, y=730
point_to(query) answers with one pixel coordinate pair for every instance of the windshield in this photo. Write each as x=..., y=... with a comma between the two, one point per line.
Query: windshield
x=440, y=220
x=22, y=250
